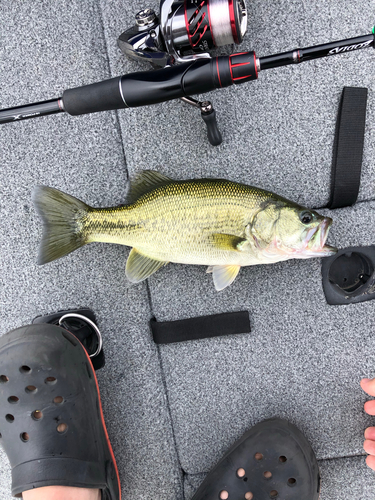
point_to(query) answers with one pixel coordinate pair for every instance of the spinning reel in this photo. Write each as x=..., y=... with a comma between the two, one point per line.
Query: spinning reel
x=185, y=31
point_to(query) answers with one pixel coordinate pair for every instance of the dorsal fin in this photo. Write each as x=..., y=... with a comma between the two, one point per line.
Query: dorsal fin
x=143, y=183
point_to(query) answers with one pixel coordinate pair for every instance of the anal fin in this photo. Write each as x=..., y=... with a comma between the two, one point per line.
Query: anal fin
x=139, y=267
x=223, y=276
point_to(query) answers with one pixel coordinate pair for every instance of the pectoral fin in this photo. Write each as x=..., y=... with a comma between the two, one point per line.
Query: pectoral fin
x=228, y=241
x=223, y=276
x=139, y=267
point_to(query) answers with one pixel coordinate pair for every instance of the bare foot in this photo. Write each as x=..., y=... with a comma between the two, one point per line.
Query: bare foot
x=368, y=385
x=62, y=493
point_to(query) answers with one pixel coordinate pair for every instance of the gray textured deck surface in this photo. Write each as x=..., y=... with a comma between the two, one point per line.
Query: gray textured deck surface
x=171, y=412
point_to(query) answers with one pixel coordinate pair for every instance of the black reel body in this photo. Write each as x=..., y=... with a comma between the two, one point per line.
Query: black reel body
x=185, y=31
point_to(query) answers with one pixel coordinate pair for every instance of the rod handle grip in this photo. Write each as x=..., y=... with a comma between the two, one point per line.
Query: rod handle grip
x=100, y=96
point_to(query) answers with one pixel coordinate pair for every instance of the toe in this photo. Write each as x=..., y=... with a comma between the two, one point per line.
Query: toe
x=370, y=433
x=370, y=407
x=368, y=385
x=369, y=446
x=370, y=461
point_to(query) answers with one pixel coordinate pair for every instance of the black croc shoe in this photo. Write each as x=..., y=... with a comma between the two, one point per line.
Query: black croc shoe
x=51, y=421
x=271, y=461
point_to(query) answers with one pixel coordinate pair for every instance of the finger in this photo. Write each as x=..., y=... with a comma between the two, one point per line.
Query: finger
x=368, y=385
x=370, y=407
x=370, y=433
x=370, y=461
x=369, y=446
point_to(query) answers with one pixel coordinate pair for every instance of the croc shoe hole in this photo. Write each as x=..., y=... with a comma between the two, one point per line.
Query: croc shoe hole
x=249, y=496
x=31, y=389
x=267, y=474
x=58, y=400
x=223, y=495
x=274, y=494
x=3, y=379
x=50, y=380
x=240, y=472
x=25, y=369
x=258, y=456
x=61, y=428
x=9, y=418
x=291, y=481
x=24, y=437
x=37, y=415
x=282, y=459
x=13, y=400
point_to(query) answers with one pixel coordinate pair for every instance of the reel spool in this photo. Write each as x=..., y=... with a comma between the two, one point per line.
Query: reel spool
x=203, y=25
x=185, y=31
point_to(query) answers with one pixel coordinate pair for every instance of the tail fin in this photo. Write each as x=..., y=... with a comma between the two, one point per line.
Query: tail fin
x=62, y=216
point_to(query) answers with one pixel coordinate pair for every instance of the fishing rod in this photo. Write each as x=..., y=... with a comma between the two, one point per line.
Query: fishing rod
x=176, y=43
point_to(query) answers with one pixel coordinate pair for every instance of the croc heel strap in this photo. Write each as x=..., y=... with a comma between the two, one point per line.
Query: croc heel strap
x=273, y=460
x=51, y=422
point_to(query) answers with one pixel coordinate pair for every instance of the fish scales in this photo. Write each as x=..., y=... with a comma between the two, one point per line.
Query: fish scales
x=175, y=222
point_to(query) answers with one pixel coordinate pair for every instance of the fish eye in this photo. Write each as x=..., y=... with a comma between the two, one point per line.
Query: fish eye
x=306, y=217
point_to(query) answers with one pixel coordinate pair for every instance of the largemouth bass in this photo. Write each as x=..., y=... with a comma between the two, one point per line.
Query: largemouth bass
x=218, y=223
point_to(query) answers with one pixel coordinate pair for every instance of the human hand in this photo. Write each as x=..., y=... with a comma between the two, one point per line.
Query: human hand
x=368, y=385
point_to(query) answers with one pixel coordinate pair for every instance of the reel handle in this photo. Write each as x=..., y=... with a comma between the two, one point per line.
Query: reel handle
x=213, y=132
x=208, y=115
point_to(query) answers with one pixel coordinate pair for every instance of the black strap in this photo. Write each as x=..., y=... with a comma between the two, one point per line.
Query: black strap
x=348, y=147
x=202, y=327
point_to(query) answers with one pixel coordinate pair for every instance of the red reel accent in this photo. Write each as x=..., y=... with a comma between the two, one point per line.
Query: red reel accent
x=243, y=67
x=198, y=25
x=233, y=22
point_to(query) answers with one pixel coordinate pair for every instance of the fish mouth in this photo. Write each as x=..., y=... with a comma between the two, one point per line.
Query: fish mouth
x=315, y=240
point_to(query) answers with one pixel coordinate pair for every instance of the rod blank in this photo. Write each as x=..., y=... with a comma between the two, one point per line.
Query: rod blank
x=50, y=107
